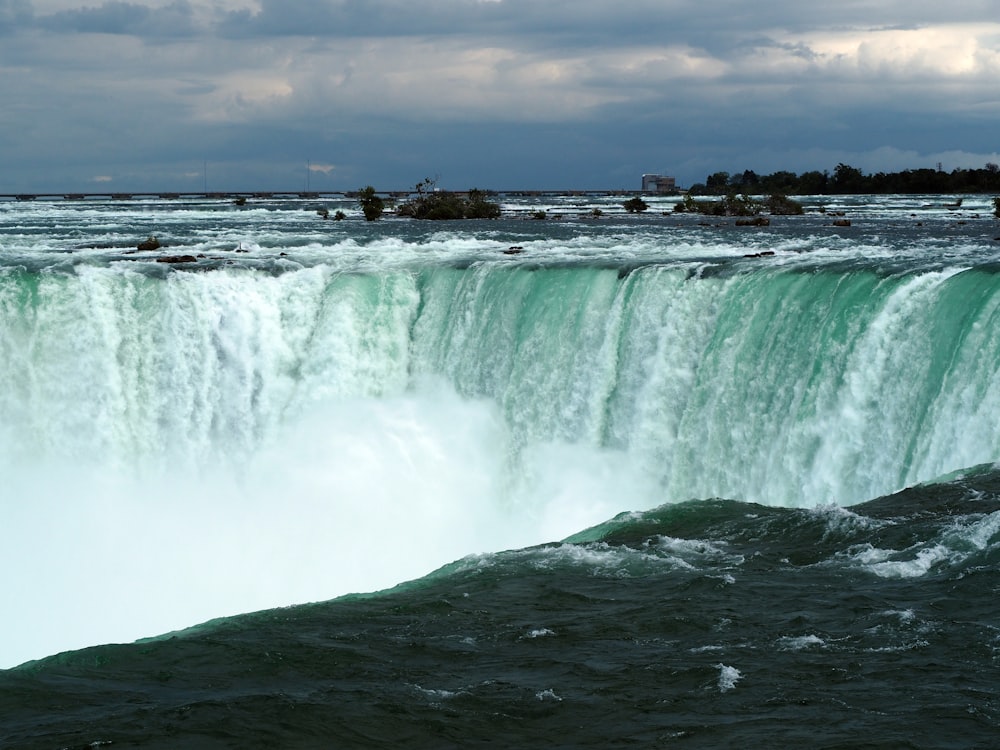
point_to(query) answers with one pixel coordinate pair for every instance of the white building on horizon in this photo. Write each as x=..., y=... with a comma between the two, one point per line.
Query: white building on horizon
x=658, y=183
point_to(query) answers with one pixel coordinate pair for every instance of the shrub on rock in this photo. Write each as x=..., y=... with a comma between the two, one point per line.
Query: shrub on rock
x=372, y=205
x=444, y=205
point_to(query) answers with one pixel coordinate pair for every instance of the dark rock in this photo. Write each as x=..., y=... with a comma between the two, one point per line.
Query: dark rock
x=177, y=259
x=150, y=243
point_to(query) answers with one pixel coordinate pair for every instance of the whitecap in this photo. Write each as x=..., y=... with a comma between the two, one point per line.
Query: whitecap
x=547, y=695
x=888, y=563
x=978, y=534
x=728, y=677
x=799, y=643
x=540, y=633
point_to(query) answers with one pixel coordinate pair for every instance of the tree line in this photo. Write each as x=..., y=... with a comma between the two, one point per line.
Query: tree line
x=846, y=179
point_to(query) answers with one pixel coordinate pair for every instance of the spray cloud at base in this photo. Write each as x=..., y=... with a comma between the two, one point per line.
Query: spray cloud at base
x=357, y=496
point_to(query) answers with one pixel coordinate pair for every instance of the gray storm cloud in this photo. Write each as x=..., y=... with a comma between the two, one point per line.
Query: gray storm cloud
x=503, y=93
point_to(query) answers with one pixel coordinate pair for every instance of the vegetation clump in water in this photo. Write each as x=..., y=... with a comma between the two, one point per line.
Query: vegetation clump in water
x=444, y=205
x=372, y=205
x=635, y=205
x=740, y=205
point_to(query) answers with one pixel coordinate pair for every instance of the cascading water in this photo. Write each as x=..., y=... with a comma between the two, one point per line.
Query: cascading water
x=782, y=388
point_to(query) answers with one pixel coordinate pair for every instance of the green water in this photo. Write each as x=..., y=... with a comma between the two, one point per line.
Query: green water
x=777, y=386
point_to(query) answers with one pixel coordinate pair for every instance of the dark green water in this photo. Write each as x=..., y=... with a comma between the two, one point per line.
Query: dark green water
x=709, y=624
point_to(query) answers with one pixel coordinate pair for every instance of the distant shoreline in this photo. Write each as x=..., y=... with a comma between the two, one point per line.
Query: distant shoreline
x=698, y=189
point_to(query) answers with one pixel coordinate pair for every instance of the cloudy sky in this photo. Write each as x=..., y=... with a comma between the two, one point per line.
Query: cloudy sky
x=337, y=94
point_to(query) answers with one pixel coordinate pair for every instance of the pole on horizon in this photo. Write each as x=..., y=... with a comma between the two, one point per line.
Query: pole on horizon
x=308, y=170
x=204, y=172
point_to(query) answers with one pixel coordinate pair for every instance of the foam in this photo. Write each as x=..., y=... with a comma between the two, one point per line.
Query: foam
x=800, y=643
x=953, y=545
x=728, y=677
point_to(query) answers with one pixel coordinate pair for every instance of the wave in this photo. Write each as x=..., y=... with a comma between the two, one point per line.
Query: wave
x=689, y=621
